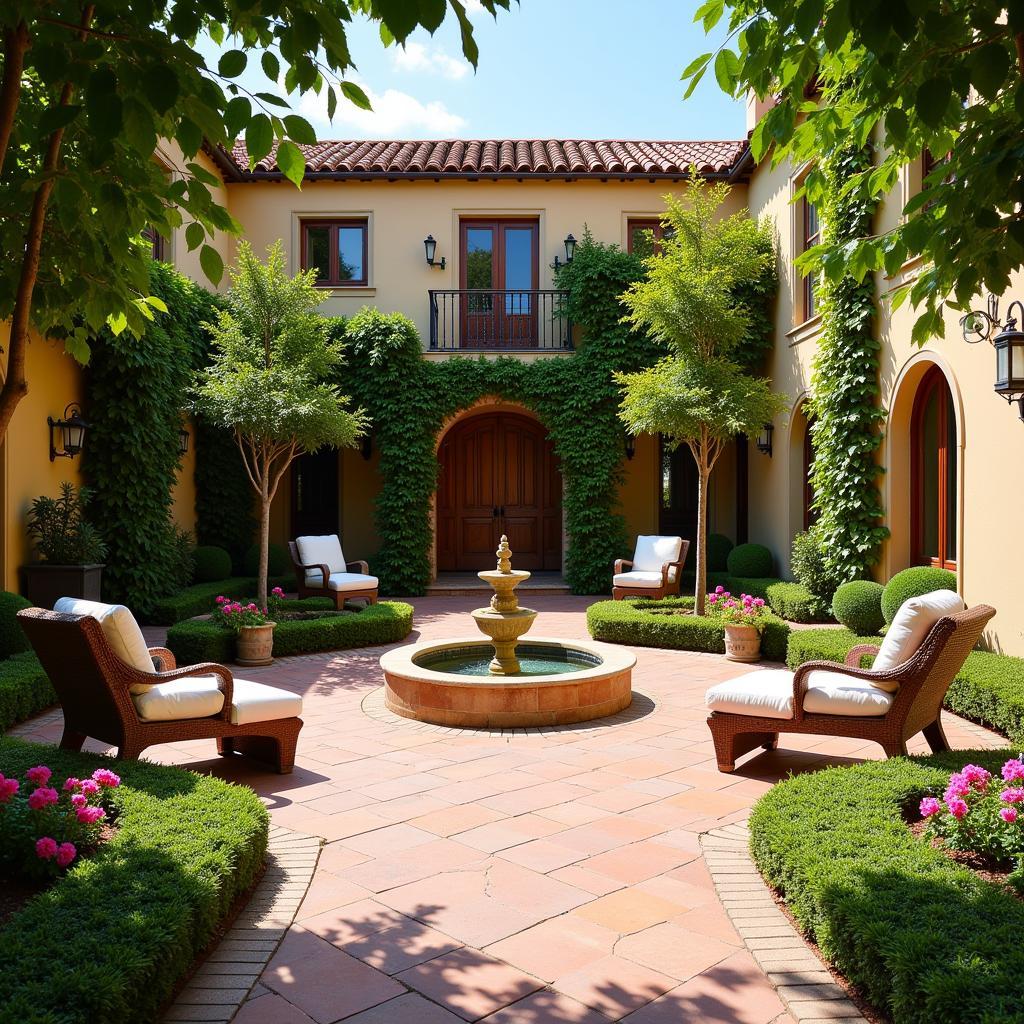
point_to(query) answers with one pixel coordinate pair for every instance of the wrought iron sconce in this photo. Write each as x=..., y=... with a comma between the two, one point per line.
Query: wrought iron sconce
x=570, y=251
x=978, y=325
x=183, y=441
x=72, y=430
x=630, y=446
x=430, y=248
x=764, y=440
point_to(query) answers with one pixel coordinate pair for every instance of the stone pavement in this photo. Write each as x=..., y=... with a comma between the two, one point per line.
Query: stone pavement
x=524, y=877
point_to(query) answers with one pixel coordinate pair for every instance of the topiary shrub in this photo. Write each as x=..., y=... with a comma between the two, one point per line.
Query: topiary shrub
x=858, y=606
x=750, y=560
x=25, y=690
x=811, y=566
x=921, y=579
x=795, y=603
x=212, y=563
x=12, y=638
x=719, y=547
x=278, y=561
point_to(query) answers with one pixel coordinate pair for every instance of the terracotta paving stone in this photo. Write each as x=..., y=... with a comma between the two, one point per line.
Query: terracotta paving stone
x=400, y=946
x=335, y=857
x=640, y=861
x=614, y=985
x=556, y=947
x=588, y=881
x=390, y=840
x=449, y=821
x=546, y=1007
x=271, y=1009
x=499, y=835
x=630, y=910
x=541, y=855
x=408, y=1009
x=674, y=951
x=326, y=892
x=351, y=921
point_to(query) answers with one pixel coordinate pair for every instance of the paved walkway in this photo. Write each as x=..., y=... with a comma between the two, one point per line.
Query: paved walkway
x=518, y=878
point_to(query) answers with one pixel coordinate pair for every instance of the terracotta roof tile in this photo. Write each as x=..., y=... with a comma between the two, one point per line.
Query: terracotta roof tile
x=510, y=157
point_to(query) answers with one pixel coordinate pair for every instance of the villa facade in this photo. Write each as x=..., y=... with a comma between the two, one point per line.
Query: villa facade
x=462, y=237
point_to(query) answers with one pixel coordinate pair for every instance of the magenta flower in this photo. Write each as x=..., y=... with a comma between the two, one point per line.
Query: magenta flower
x=277, y=592
x=66, y=853
x=8, y=787
x=929, y=806
x=42, y=797
x=957, y=807
x=958, y=786
x=71, y=783
x=40, y=775
x=106, y=778
x=90, y=815
x=46, y=848
x=90, y=787
x=1013, y=795
x=1013, y=770
x=222, y=599
x=77, y=800
x=1008, y=814
x=975, y=776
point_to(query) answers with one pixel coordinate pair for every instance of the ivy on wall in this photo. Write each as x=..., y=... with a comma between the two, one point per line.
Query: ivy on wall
x=846, y=431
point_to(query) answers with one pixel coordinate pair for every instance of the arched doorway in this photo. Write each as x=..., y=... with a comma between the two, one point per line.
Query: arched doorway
x=498, y=474
x=933, y=473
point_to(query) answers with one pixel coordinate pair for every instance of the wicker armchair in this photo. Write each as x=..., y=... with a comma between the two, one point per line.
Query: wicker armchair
x=916, y=706
x=655, y=570
x=331, y=575
x=93, y=686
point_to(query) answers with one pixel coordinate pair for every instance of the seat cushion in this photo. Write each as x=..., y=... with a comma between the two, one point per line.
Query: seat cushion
x=637, y=579
x=909, y=628
x=192, y=697
x=769, y=694
x=325, y=550
x=256, y=702
x=346, y=581
x=653, y=552
x=120, y=629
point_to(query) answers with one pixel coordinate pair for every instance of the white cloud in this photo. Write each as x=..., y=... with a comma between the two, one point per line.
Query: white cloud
x=415, y=57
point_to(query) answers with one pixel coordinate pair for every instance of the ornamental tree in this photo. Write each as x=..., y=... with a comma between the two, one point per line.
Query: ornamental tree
x=87, y=90
x=691, y=301
x=946, y=80
x=270, y=379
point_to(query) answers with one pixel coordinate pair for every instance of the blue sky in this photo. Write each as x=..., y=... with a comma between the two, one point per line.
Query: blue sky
x=548, y=69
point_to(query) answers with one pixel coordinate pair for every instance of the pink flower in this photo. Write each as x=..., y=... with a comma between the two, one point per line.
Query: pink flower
x=106, y=778
x=1013, y=795
x=71, y=783
x=976, y=776
x=40, y=775
x=958, y=786
x=957, y=807
x=8, y=787
x=222, y=599
x=42, y=797
x=66, y=853
x=929, y=806
x=251, y=607
x=1008, y=814
x=90, y=787
x=1013, y=770
x=277, y=592
x=90, y=815
x=719, y=589
x=78, y=801
x=46, y=848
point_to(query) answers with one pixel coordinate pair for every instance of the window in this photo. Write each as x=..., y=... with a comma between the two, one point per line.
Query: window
x=933, y=441
x=644, y=235
x=157, y=243
x=811, y=236
x=336, y=250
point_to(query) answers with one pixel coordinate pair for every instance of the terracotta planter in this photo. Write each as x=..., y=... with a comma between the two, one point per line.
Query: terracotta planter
x=742, y=643
x=255, y=645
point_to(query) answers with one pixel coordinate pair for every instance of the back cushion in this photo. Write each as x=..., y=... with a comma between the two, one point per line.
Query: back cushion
x=653, y=552
x=324, y=550
x=120, y=629
x=911, y=625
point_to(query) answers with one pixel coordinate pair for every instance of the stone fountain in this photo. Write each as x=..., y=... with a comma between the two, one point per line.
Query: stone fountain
x=503, y=620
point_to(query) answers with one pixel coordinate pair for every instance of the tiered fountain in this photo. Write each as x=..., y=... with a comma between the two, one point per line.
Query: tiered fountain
x=506, y=681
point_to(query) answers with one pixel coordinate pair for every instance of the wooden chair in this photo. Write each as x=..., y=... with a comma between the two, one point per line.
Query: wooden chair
x=655, y=570
x=324, y=572
x=916, y=705
x=94, y=686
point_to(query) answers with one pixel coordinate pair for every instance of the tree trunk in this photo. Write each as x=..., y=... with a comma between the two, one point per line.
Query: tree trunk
x=701, y=586
x=261, y=581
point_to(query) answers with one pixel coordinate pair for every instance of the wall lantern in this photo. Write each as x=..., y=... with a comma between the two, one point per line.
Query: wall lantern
x=764, y=440
x=430, y=248
x=570, y=251
x=978, y=325
x=183, y=441
x=366, y=446
x=630, y=446
x=72, y=433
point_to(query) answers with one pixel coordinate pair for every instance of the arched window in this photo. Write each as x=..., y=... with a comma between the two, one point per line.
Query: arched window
x=933, y=446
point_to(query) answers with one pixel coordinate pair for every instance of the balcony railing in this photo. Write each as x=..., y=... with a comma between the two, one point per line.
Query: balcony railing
x=490, y=319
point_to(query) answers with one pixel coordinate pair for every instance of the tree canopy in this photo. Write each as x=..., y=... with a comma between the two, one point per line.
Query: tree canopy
x=941, y=83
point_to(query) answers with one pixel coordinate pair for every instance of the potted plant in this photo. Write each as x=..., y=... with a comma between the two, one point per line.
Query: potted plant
x=254, y=629
x=69, y=548
x=742, y=618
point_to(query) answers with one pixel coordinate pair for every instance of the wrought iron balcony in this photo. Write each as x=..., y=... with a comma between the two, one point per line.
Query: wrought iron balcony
x=499, y=319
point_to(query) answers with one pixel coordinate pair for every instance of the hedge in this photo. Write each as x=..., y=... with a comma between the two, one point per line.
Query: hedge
x=384, y=623
x=925, y=940
x=641, y=624
x=199, y=599
x=988, y=689
x=110, y=940
x=793, y=601
x=25, y=689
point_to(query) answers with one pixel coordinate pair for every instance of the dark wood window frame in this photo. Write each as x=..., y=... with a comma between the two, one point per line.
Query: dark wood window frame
x=157, y=243
x=808, y=239
x=652, y=224
x=333, y=224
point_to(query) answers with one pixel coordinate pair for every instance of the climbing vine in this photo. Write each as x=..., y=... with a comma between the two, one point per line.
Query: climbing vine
x=847, y=428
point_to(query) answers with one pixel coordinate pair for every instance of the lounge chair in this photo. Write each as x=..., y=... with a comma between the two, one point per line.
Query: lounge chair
x=321, y=570
x=898, y=697
x=654, y=570
x=114, y=688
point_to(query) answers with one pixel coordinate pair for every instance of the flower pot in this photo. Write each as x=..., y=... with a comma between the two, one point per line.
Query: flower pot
x=255, y=645
x=742, y=643
x=46, y=583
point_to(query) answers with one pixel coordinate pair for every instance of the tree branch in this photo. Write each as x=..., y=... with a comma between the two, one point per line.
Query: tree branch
x=16, y=42
x=84, y=30
x=245, y=462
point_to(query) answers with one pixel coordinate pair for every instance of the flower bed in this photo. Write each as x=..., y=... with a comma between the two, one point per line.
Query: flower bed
x=925, y=939
x=384, y=623
x=199, y=599
x=645, y=623
x=108, y=942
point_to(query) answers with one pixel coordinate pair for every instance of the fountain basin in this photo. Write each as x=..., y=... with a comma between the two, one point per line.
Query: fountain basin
x=561, y=682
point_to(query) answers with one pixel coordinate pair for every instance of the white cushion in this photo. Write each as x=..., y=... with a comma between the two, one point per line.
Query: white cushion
x=325, y=550
x=345, y=581
x=120, y=629
x=910, y=626
x=255, y=702
x=637, y=579
x=769, y=694
x=192, y=697
x=653, y=552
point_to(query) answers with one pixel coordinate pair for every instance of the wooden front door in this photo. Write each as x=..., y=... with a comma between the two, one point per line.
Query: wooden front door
x=315, y=494
x=498, y=474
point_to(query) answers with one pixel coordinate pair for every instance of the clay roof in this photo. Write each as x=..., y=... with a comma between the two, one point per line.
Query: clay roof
x=516, y=158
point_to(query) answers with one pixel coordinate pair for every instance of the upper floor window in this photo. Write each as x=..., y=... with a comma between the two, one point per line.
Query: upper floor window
x=336, y=250
x=157, y=243
x=810, y=236
x=644, y=235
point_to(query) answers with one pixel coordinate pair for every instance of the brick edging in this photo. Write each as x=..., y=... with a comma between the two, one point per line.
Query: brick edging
x=222, y=983
x=801, y=980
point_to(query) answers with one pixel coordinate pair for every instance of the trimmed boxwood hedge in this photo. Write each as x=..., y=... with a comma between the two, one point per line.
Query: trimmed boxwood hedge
x=25, y=689
x=386, y=622
x=199, y=599
x=793, y=601
x=109, y=941
x=924, y=939
x=988, y=689
x=641, y=624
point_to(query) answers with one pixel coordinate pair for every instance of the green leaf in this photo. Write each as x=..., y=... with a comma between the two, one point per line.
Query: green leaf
x=988, y=68
x=259, y=137
x=469, y=48
x=695, y=65
x=299, y=129
x=54, y=118
x=431, y=13
x=727, y=69
x=695, y=81
x=117, y=322
x=271, y=65
x=232, y=63
x=189, y=137
x=212, y=264
x=356, y=95
x=291, y=162
x=710, y=13
x=332, y=102
x=933, y=98
x=194, y=235
x=156, y=302
x=272, y=98
x=160, y=86
x=236, y=116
